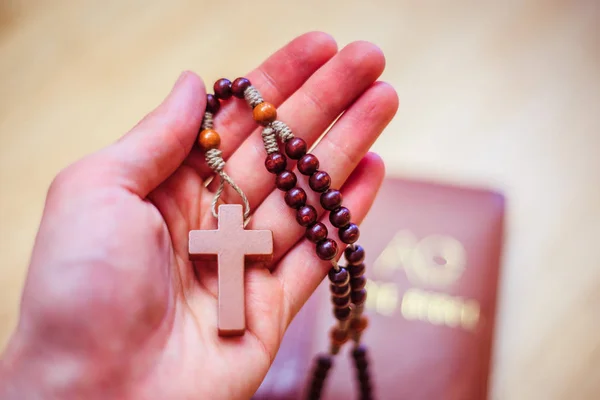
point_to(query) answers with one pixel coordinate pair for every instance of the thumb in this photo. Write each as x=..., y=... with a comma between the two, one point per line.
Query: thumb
x=148, y=154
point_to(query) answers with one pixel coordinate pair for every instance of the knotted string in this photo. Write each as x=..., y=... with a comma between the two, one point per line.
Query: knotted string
x=214, y=159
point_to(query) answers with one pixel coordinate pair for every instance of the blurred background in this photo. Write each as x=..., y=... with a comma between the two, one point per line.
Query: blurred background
x=503, y=95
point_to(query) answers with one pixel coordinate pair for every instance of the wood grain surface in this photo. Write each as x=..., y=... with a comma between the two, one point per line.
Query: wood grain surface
x=504, y=95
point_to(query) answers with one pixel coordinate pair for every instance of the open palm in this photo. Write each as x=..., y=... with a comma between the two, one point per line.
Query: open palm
x=112, y=306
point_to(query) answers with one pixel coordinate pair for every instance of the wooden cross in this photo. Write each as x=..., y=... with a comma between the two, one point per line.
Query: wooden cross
x=230, y=245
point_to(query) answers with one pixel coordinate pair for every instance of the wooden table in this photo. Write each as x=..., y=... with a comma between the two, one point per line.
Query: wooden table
x=504, y=95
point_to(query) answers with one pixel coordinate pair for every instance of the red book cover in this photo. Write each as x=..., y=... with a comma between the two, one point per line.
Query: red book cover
x=433, y=261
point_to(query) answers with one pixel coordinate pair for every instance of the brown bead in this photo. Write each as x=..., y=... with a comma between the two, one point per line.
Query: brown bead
x=327, y=249
x=339, y=278
x=320, y=375
x=349, y=234
x=264, y=113
x=212, y=104
x=285, y=180
x=365, y=391
x=358, y=283
x=209, y=139
x=315, y=393
x=339, y=291
x=306, y=215
x=342, y=314
x=222, y=89
x=316, y=232
x=361, y=366
x=319, y=181
x=295, y=148
x=308, y=164
x=324, y=362
x=239, y=86
x=295, y=197
x=359, y=324
x=360, y=352
x=341, y=301
x=359, y=297
x=354, y=255
x=275, y=163
x=339, y=336
x=356, y=270
x=340, y=217
x=365, y=388
x=331, y=199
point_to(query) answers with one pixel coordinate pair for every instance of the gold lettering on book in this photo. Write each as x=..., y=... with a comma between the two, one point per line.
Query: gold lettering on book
x=439, y=309
x=434, y=261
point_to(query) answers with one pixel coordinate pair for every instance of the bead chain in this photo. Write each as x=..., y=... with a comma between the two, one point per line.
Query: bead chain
x=348, y=293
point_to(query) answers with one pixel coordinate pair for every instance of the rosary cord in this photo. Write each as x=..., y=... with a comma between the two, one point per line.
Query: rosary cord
x=270, y=140
x=361, y=363
x=214, y=159
x=347, y=283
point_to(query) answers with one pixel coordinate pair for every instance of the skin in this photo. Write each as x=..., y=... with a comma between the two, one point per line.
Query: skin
x=113, y=308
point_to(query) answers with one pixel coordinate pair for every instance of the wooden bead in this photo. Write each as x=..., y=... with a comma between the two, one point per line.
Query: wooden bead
x=316, y=232
x=340, y=217
x=354, y=255
x=359, y=324
x=339, y=336
x=327, y=249
x=358, y=283
x=295, y=148
x=320, y=375
x=324, y=362
x=341, y=301
x=342, y=314
x=339, y=278
x=264, y=113
x=222, y=89
x=360, y=352
x=275, y=163
x=331, y=199
x=361, y=365
x=306, y=215
x=365, y=391
x=212, y=104
x=349, y=234
x=209, y=139
x=308, y=164
x=319, y=181
x=359, y=297
x=239, y=86
x=339, y=291
x=356, y=270
x=285, y=180
x=295, y=197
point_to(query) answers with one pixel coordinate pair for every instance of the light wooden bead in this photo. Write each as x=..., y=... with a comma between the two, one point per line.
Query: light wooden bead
x=359, y=324
x=264, y=113
x=339, y=336
x=209, y=139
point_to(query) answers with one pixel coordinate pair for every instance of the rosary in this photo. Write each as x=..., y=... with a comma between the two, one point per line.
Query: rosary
x=231, y=244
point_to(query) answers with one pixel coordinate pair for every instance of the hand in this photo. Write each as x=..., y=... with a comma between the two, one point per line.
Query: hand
x=113, y=308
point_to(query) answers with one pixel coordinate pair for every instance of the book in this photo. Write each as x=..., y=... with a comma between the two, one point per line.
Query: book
x=433, y=263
